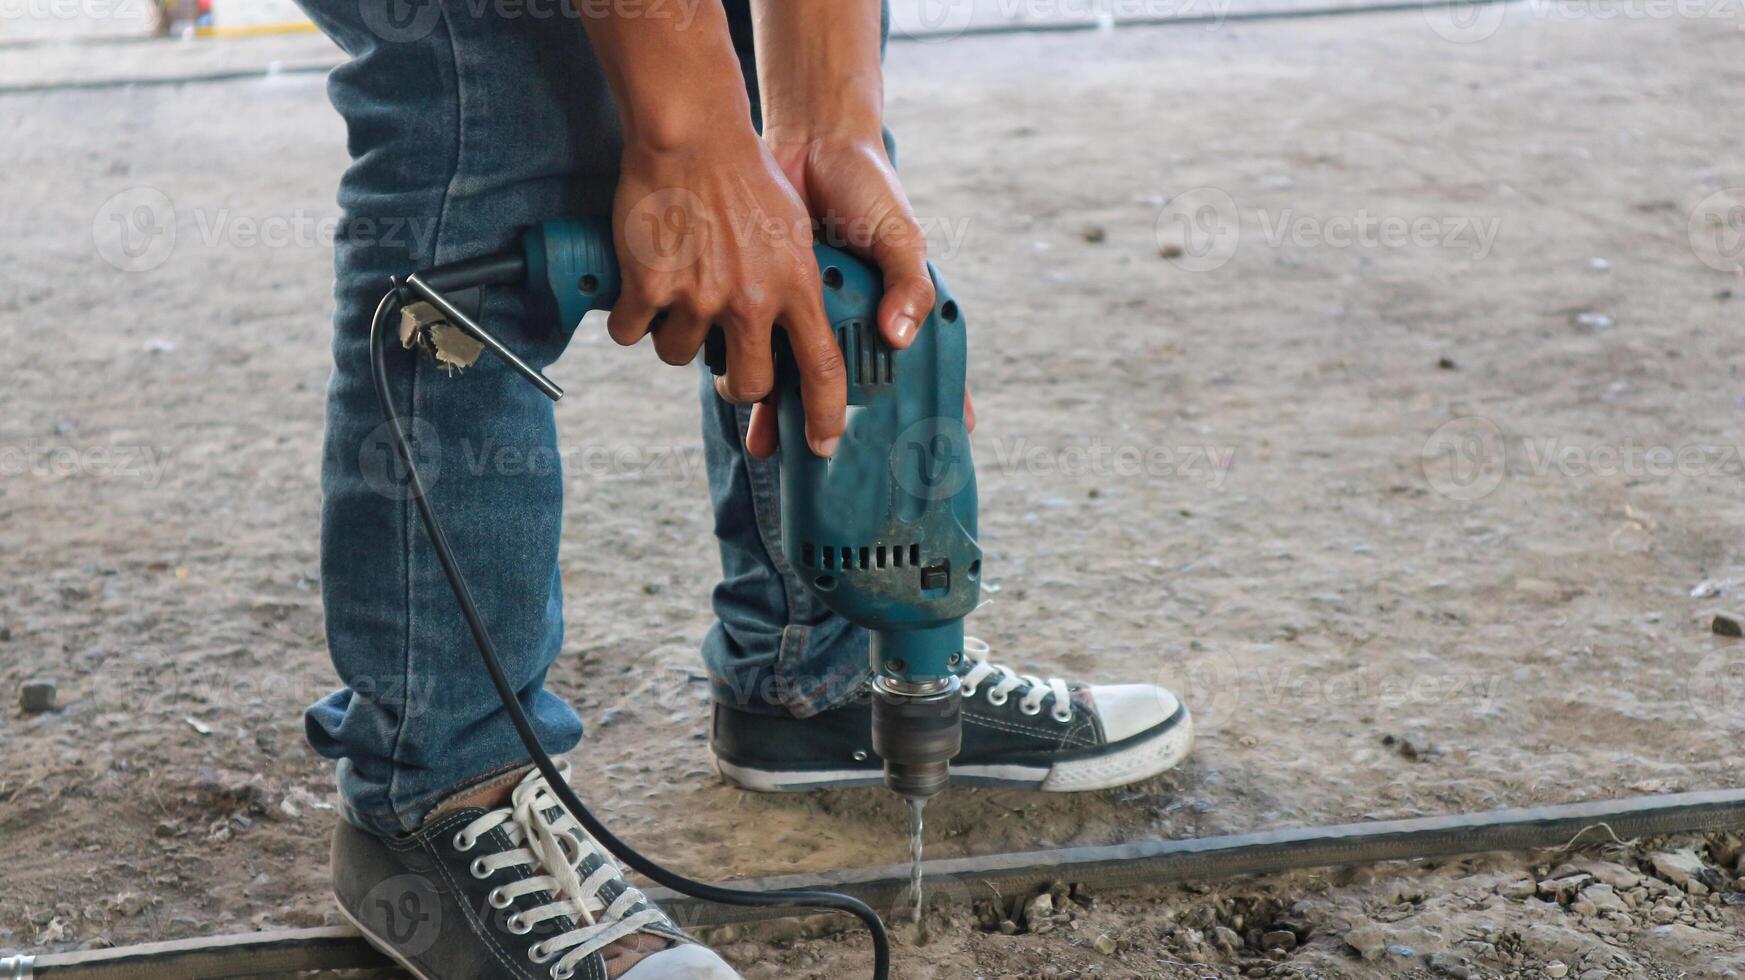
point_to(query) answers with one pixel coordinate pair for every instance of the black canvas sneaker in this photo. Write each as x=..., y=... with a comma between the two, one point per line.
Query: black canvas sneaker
x=515, y=892
x=1018, y=730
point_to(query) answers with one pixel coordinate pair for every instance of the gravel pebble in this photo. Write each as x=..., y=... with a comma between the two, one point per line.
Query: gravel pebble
x=37, y=696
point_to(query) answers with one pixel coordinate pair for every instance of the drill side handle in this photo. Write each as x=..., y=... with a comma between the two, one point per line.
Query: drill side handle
x=573, y=263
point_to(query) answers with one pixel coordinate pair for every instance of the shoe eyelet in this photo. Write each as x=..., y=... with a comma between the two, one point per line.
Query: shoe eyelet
x=1029, y=711
x=1064, y=717
x=562, y=974
x=1000, y=701
x=498, y=899
x=969, y=690
x=463, y=843
x=518, y=924
x=537, y=954
x=479, y=869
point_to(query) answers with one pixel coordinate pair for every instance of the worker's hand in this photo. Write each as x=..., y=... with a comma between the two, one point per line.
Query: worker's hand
x=856, y=202
x=713, y=233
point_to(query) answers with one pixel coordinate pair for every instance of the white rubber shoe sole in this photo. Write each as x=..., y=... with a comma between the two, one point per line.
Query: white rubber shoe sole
x=381, y=946
x=683, y=962
x=1145, y=757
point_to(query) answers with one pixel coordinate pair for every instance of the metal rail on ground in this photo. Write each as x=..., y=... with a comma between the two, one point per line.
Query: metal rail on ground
x=1138, y=864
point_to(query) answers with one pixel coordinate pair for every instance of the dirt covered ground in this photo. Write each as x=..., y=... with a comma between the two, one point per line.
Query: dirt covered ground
x=1372, y=381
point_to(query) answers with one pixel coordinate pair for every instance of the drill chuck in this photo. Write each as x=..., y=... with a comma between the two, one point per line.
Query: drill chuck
x=917, y=728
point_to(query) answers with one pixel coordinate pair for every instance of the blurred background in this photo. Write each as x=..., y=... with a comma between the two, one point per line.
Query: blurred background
x=59, y=19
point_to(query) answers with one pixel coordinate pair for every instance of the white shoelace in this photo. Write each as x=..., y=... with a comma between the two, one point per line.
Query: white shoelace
x=1036, y=689
x=554, y=850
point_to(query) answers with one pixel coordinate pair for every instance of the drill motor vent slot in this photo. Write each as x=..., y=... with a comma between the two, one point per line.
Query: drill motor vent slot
x=844, y=558
x=868, y=358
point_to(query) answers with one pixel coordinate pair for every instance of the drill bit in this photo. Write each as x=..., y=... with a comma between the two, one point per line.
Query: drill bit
x=915, y=826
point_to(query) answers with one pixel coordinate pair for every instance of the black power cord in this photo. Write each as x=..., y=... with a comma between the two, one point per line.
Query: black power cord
x=488, y=652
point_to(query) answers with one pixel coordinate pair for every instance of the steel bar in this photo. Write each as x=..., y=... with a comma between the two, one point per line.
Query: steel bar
x=456, y=316
x=288, y=951
x=1156, y=862
x=959, y=880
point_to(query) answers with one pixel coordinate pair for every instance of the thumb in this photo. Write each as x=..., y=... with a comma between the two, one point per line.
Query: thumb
x=900, y=250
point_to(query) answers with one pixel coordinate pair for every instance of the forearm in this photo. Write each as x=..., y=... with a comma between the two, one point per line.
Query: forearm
x=675, y=81
x=818, y=69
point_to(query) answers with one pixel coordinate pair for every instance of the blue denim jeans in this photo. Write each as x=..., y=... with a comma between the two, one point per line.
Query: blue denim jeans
x=468, y=120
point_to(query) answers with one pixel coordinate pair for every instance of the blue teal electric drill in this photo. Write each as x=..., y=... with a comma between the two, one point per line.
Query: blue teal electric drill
x=884, y=531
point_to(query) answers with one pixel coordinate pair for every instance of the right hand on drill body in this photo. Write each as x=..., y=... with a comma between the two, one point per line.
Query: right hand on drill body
x=712, y=234
x=707, y=229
